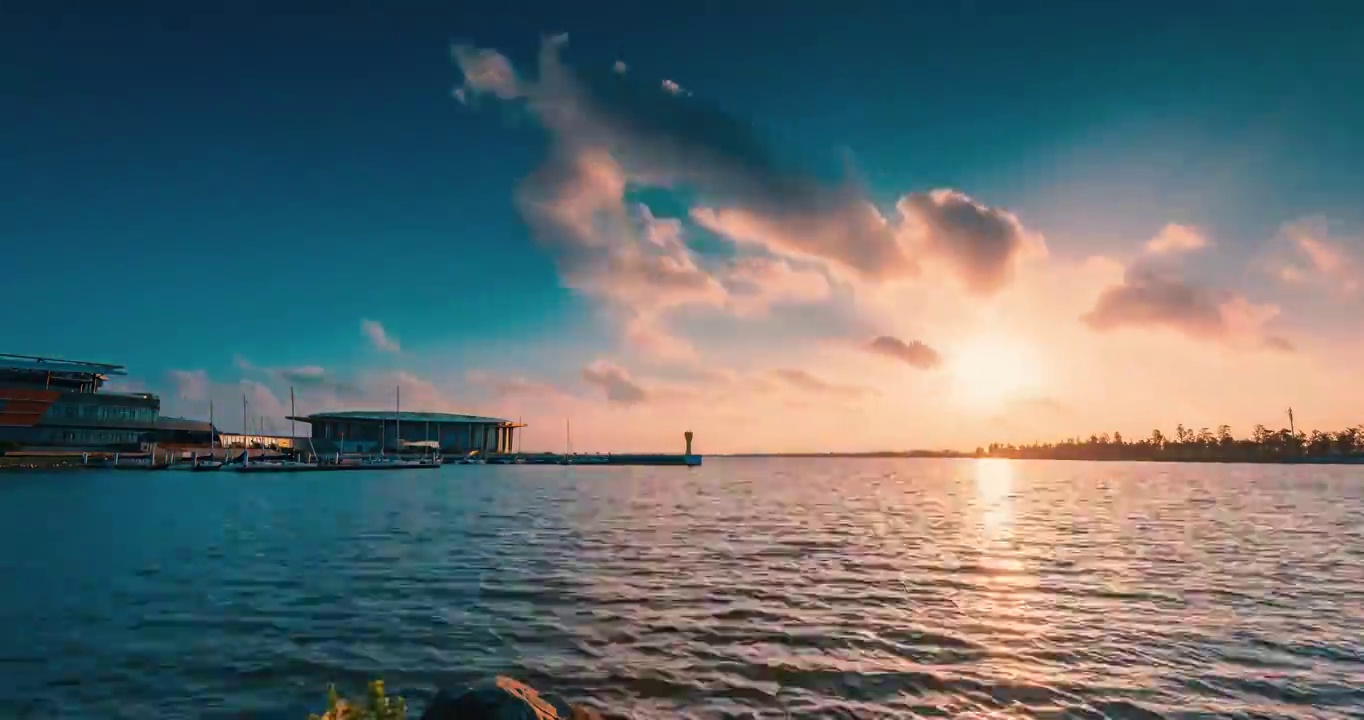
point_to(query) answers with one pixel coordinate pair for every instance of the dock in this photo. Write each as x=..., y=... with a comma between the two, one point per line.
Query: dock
x=666, y=459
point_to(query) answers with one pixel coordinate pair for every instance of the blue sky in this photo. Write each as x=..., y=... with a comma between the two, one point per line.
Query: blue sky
x=183, y=186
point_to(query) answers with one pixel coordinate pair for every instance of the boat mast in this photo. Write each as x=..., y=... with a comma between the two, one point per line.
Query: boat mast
x=292, y=431
x=398, y=418
x=212, y=434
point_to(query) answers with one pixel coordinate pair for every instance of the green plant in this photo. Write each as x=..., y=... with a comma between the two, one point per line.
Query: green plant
x=378, y=706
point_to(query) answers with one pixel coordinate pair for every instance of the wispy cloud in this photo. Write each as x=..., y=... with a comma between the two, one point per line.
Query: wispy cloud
x=378, y=337
x=809, y=382
x=1320, y=256
x=615, y=382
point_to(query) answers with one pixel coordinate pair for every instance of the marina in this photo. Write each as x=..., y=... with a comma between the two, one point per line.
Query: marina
x=55, y=413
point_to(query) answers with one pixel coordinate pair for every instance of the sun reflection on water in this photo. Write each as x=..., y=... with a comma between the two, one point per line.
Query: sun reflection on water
x=994, y=493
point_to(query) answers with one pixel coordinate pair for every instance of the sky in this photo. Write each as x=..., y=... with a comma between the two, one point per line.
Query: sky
x=828, y=226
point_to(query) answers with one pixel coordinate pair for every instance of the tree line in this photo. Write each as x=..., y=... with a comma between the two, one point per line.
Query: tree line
x=1264, y=445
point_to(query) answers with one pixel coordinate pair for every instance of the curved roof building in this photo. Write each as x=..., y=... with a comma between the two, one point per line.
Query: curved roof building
x=373, y=430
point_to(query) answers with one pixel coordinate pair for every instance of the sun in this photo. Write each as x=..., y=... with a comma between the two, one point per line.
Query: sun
x=988, y=371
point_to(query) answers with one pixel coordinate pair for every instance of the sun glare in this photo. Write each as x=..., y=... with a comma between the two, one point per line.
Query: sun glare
x=989, y=371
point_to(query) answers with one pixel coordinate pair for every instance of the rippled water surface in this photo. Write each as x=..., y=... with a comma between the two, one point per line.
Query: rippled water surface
x=747, y=588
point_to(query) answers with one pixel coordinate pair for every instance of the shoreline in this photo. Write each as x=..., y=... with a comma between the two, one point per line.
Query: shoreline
x=1305, y=460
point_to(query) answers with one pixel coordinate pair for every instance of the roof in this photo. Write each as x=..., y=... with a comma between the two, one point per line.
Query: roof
x=56, y=365
x=378, y=415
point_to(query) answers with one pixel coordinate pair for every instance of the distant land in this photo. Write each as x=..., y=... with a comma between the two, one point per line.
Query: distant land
x=1286, y=445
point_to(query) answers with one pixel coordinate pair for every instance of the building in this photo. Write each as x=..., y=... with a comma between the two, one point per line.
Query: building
x=58, y=404
x=369, y=431
x=256, y=441
x=171, y=432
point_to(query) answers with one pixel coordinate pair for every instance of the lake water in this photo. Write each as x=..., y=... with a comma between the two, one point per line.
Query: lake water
x=746, y=588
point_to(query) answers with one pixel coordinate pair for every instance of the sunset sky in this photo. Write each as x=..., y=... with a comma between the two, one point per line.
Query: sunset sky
x=850, y=226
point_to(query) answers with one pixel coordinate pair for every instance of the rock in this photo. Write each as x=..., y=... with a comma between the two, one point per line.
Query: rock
x=504, y=699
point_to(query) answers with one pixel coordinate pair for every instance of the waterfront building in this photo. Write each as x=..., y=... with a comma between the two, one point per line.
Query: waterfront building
x=371, y=431
x=59, y=404
x=256, y=441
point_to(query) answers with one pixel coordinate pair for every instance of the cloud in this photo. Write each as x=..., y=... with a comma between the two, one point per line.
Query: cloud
x=378, y=337
x=805, y=381
x=304, y=375
x=507, y=386
x=835, y=226
x=913, y=353
x=1277, y=342
x=754, y=284
x=1155, y=293
x=1320, y=256
x=665, y=140
x=982, y=245
x=1175, y=238
x=613, y=138
x=189, y=384
x=615, y=382
x=485, y=71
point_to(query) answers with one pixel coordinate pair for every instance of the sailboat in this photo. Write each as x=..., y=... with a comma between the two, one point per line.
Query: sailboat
x=195, y=464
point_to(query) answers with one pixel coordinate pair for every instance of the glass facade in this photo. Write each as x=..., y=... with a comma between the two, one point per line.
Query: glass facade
x=72, y=437
x=454, y=437
x=81, y=411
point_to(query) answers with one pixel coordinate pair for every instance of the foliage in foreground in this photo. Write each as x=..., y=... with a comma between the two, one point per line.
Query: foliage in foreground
x=378, y=706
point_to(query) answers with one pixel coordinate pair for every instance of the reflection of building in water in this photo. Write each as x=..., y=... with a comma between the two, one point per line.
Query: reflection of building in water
x=370, y=431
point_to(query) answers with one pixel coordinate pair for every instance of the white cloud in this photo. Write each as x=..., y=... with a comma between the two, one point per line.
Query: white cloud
x=378, y=337
x=1175, y=238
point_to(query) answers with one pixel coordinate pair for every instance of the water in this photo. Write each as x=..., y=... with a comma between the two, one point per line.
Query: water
x=746, y=588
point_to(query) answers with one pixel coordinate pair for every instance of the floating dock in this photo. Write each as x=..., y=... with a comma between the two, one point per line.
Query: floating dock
x=687, y=459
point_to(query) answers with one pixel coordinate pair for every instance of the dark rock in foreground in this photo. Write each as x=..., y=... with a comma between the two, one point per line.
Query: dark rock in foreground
x=504, y=699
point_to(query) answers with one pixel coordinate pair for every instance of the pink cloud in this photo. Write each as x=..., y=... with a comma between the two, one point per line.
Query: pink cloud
x=982, y=245
x=189, y=384
x=615, y=382
x=378, y=337
x=485, y=71
x=754, y=284
x=809, y=382
x=609, y=139
x=849, y=233
x=1327, y=258
x=913, y=353
x=1155, y=293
